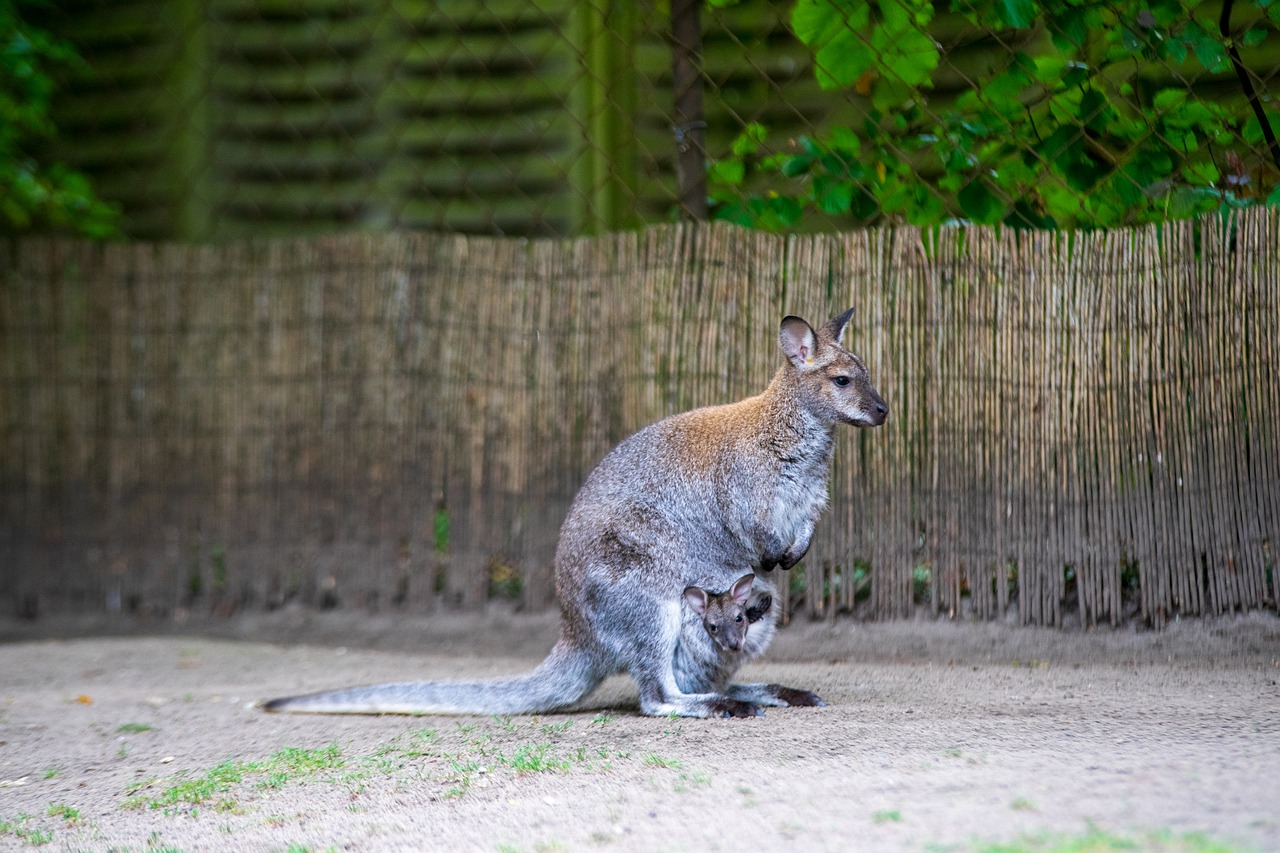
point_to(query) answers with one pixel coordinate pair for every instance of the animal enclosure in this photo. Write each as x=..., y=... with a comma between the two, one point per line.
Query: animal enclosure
x=1083, y=426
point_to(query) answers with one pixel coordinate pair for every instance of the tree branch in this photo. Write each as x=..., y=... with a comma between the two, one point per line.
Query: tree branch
x=1224, y=27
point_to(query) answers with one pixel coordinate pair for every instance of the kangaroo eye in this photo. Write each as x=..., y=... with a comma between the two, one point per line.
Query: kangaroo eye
x=840, y=380
x=738, y=618
x=712, y=628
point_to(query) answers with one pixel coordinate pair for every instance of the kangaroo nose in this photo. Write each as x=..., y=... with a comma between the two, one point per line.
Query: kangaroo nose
x=882, y=408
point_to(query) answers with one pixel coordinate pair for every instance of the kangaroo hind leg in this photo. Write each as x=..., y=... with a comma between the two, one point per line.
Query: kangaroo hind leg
x=774, y=695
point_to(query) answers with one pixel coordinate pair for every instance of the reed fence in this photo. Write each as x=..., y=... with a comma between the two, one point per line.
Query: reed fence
x=1083, y=429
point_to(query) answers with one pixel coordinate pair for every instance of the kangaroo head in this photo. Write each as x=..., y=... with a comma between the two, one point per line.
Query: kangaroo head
x=724, y=614
x=833, y=382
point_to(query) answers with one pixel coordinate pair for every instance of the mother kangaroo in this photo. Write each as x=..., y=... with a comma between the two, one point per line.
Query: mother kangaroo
x=692, y=500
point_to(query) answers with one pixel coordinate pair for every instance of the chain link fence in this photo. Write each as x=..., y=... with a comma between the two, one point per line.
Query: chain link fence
x=231, y=118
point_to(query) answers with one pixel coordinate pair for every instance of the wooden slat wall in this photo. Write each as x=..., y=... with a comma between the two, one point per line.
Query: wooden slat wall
x=1084, y=427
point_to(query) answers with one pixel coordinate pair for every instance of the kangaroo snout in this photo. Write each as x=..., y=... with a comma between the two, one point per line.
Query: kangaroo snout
x=880, y=411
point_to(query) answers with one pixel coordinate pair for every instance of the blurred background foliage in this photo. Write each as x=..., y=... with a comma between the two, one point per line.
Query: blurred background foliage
x=37, y=192
x=230, y=118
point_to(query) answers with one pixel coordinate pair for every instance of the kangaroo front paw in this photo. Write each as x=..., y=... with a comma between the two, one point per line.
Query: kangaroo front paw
x=723, y=706
x=796, y=698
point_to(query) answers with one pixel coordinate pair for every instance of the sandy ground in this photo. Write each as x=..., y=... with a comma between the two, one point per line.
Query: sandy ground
x=939, y=736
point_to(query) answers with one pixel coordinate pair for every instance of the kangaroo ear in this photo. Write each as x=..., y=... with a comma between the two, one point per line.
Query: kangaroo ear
x=741, y=589
x=834, y=328
x=798, y=341
x=697, y=599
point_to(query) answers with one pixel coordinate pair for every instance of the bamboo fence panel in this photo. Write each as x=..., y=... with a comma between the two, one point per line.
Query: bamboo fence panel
x=1083, y=426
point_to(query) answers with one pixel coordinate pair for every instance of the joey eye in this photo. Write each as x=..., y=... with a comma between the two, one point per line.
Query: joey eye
x=738, y=618
x=712, y=628
x=840, y=381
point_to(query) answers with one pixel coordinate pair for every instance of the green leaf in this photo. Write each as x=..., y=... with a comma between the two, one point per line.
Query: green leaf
x=979, y=204
x=924, y=207
x=1069, y=29
x=727, y=172
x=1207, y=48
x=1005, y=90
x=1174, y=50
x=1049, y=68
x=1150, y=163
x=833, y=196
x=833, y=30
x=863, y=204
x=1204, y=173
x=794, y=167
x=1169, y=99
x=1095, y=110
x=750, y=140
x=1018, y=14
x=845, y=141
x=906, y=51
x=776, y=212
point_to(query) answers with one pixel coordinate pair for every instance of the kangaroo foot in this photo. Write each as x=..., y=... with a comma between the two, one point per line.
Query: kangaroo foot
x=796, y=698
x=723, y=706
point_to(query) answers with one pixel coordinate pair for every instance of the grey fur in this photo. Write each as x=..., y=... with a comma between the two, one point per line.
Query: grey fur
x=687, y=501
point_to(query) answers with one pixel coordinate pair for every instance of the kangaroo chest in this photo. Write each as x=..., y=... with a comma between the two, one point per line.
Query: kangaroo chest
x=798, y=500
x=797, y=494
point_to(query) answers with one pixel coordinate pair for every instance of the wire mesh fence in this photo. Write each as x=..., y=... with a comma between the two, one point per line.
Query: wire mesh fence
x=229, y=118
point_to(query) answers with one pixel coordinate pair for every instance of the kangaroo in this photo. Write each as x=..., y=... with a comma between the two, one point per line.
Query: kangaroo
x=724, y=614
x=706, y=660
x=678, y=504
x=717, y=637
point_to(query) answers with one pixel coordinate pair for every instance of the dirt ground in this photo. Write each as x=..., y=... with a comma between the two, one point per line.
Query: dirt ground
x=939, y=736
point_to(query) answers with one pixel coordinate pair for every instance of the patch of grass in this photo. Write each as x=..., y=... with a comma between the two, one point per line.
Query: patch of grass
x=1022, y=804
x=1097, y=841
x=218, y=780
x=603, y=719
x=887, y=816
x=690, y=781
x=67, y=813
x=652, y=760
x=557, y=728
x=20, y=828
x=507, y=724
x=535, y=758
x=214, y=788
x=466, y=771
x=133, y=728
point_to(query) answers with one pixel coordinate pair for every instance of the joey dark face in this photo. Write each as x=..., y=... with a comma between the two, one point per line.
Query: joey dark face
x=727, y=624
x=724, y=614
x=835, y=383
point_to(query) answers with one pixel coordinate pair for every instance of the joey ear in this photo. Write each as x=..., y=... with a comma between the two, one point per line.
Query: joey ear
x=697, y=599
x=834, y=328
x=798, y=341
x=741, y=589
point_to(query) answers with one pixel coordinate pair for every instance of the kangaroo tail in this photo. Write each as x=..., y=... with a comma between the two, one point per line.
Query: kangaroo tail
x=563, y=678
